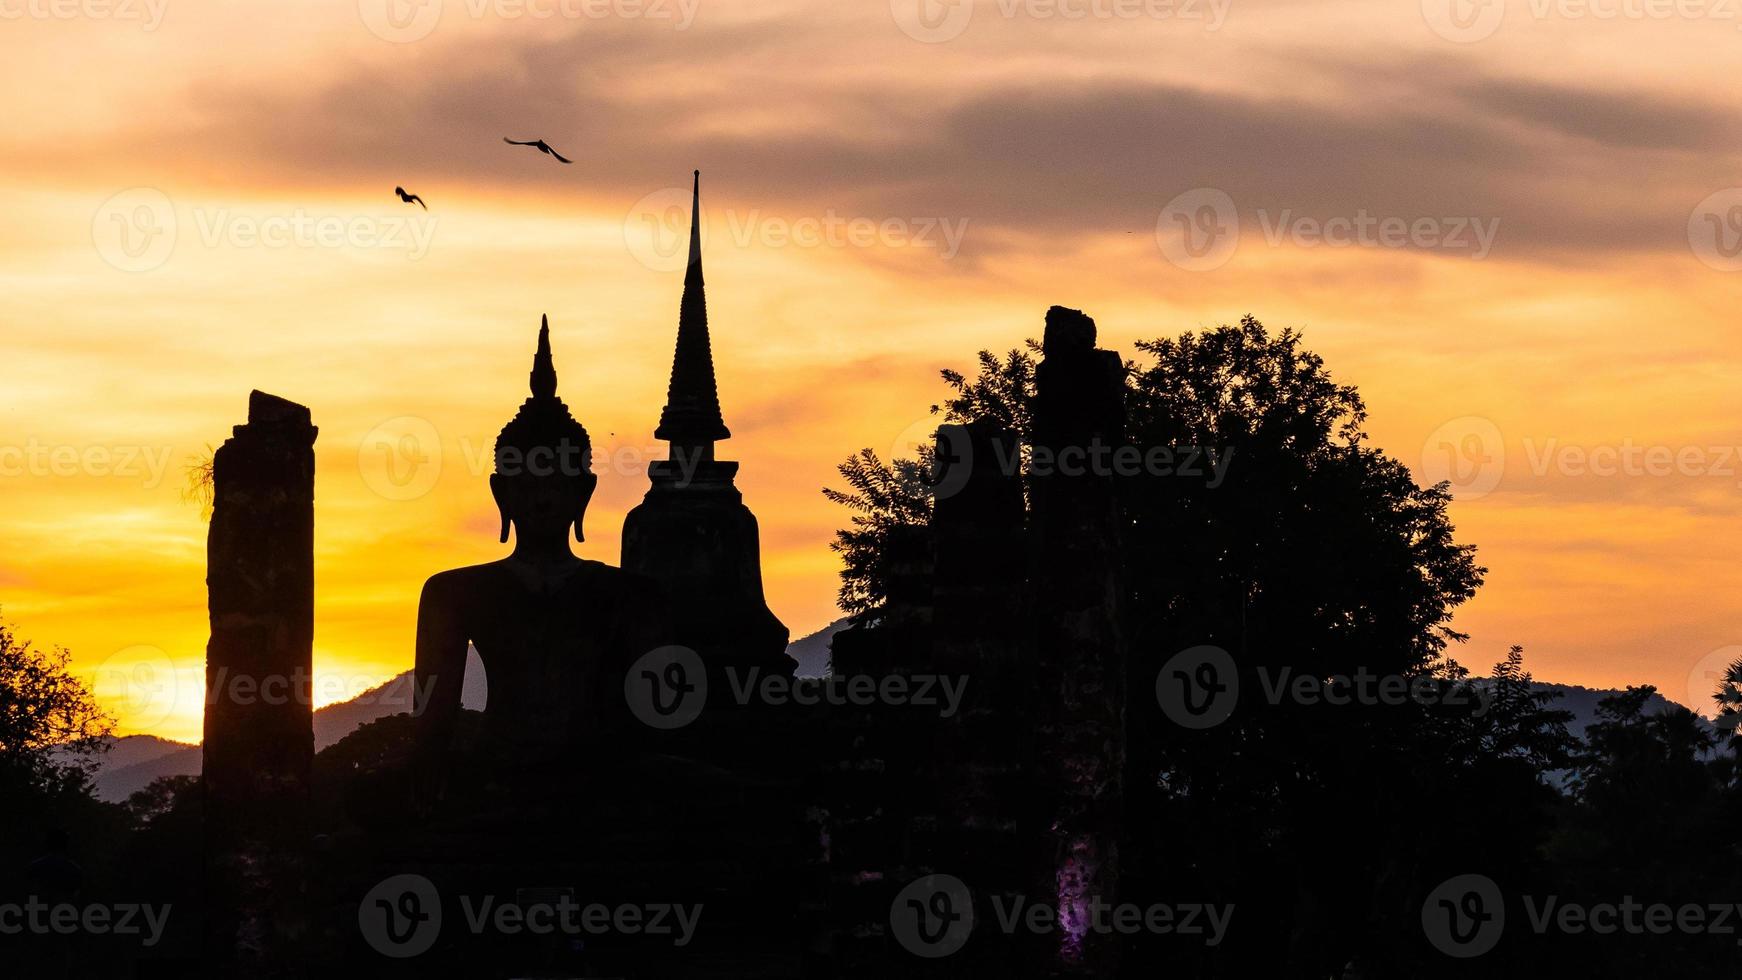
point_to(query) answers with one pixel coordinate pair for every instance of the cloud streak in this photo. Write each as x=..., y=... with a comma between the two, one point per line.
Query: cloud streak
x=1556, y=165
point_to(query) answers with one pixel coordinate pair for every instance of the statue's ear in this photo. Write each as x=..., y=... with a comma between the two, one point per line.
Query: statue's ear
x=589, y=483
x=496, y=490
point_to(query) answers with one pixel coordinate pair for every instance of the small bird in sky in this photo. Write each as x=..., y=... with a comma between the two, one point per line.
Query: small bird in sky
x=408, y=198
x=541, y=145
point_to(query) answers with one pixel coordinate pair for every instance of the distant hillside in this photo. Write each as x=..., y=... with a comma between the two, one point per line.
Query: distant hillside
x=335, y=721
x=1582, y=702
x=136, y=760
x=134, y=750
x=133, y=762
x=812, y=652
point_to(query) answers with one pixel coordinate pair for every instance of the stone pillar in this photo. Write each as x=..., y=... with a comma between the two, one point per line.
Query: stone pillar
x=1077, y=591
x=979, y=763
x=259, y=734
x=979, y=636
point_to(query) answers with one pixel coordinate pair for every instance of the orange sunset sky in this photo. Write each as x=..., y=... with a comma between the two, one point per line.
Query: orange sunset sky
x=198, y=200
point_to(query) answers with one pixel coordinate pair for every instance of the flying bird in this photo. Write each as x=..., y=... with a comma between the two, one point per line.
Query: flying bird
x=541, y=145
x=408, y=198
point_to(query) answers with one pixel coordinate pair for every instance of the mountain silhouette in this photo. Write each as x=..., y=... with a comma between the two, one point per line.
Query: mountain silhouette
x=135, y=760
x=812, y=652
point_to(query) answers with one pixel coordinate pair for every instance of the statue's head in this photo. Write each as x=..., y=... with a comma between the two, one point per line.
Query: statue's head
x=544, y=460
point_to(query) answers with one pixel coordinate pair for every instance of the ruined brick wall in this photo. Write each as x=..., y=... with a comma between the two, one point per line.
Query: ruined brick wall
x=1020, y=793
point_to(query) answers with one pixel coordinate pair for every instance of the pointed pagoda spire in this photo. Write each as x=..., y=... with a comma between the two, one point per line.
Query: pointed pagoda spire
x=693, y=274
x=692, y=405
x=543, y=377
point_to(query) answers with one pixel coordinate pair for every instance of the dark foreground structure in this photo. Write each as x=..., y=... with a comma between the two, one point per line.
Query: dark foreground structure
x=648, y=794
x=259, y=735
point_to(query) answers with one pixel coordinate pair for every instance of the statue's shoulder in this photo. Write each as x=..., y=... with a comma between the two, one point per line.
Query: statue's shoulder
x=464, y=579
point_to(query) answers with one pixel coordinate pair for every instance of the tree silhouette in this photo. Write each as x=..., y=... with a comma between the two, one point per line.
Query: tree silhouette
x=51, y=728
x=1002, y=393
x=891, y=503
x=160, y=796
x=1654, y=817
x=199, y=473
x=1634, y=760
x=1263, y=523
x=1729, y=699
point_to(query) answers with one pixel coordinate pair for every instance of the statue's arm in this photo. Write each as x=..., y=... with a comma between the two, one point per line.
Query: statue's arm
x=437, y=677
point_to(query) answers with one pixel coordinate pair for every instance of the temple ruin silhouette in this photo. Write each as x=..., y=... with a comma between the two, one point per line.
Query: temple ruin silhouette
x=793, y=824
x=692, y=533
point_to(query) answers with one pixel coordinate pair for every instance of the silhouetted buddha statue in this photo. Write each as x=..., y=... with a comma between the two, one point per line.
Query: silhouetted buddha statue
x=555, y=632
x=562, y=787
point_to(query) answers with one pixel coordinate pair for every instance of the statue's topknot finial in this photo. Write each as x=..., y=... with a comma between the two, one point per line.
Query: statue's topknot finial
x=543, y=423
x=543, y=369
